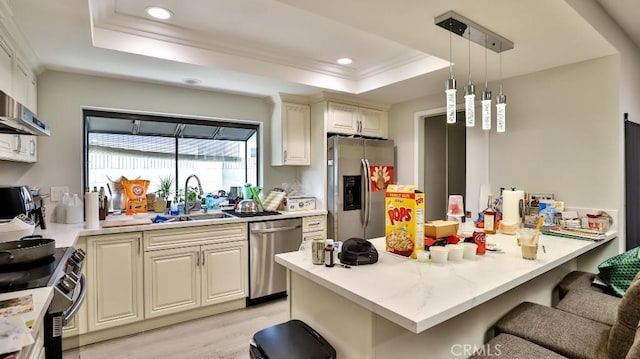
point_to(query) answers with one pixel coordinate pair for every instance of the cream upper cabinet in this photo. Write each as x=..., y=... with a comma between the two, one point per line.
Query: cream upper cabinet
x=343, y=119
x=6, y=65
x=291, y=135
x=17, y=77
x=114, y=279
x=373, y=123
x=9, y=146
x=27, y=150
x=21, y=83
x=354, y=120
x=21, y=148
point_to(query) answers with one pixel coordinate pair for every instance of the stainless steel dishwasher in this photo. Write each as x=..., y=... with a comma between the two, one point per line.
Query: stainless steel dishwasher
x=268, y=279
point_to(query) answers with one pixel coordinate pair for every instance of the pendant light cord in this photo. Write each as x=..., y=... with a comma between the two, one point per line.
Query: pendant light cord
x=469, y=54
x=450, y=53
x=485, y=62
x=501, y=68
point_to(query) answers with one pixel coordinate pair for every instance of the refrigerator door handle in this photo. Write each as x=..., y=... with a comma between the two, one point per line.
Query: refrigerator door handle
x=365, y=203
x=368, y=189
x=367, y=194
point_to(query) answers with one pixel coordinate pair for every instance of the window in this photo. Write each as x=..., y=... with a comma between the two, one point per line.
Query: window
x=221, y=153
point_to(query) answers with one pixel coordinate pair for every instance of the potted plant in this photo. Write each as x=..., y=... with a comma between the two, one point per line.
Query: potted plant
x=162, y=194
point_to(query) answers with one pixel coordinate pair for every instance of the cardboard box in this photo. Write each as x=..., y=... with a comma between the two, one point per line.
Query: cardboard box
x=404, y=220
x=440, y=229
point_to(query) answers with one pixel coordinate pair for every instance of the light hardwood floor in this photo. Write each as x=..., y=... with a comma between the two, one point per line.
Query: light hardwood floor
x=223, y=336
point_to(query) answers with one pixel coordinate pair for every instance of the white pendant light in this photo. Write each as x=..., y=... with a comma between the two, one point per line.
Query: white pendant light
x=470, y=96
x=486, y=95
x=450, y=87
x=501, y=105
x=463, y=26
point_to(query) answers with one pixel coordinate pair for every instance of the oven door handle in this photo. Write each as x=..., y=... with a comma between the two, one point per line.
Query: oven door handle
x=68, y=315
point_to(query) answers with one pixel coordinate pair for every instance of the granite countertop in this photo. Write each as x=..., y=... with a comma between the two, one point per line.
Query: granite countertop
x=418, y=295
x=66, y=235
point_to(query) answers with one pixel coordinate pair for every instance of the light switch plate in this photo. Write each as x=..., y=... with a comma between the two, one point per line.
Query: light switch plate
x=57, y=192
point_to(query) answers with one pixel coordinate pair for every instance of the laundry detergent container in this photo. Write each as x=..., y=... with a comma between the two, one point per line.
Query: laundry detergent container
x=291, y=340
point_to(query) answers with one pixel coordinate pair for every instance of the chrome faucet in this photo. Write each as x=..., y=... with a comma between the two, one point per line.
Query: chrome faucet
x=190, y=206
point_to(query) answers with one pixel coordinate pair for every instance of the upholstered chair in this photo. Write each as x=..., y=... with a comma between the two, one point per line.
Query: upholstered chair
x=575, y=336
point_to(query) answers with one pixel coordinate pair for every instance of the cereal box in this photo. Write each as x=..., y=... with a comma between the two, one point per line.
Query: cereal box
x=404, y=219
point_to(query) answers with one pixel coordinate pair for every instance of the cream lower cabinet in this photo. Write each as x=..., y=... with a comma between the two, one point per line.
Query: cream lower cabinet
x=114, y=279
x=314, y=227
x=172, y=280
x=181, y=277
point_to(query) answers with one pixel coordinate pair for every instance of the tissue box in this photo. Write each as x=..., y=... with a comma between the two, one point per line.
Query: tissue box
x=440, y=229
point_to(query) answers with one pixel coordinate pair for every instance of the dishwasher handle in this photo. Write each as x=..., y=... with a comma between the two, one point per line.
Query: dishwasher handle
x=275, y=230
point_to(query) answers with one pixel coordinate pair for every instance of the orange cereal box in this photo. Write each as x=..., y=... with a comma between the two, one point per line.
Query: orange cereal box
x=404, y=219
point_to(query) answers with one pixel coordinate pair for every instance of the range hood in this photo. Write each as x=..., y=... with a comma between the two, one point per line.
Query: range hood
x=17, y=118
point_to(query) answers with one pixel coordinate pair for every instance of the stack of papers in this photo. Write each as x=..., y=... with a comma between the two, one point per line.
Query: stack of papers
x=16, y=320
x=575, y=233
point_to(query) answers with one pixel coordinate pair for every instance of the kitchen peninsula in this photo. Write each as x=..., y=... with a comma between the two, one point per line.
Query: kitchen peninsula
x=401, y=308
x=145, y=276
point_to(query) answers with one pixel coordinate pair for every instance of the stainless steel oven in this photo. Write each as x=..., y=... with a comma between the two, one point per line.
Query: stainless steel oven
x=268, y=279
x=63, y=272
x=69, y=291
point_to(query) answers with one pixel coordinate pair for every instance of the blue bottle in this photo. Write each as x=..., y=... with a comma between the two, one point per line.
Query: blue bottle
x=208, y=200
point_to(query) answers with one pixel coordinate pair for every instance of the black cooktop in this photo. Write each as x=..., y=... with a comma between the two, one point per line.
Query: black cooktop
x=30, y=275
x=231, y=212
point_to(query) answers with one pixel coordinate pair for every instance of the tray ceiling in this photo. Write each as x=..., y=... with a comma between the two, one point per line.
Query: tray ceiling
x=262, y=47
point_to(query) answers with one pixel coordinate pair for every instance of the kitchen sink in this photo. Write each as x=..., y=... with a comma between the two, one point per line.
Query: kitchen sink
x=201, y=216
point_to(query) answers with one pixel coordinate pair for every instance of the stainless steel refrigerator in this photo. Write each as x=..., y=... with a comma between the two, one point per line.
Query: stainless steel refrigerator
x=358, y=172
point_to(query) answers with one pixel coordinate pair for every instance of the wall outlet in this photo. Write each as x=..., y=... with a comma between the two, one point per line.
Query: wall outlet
x=57, y=192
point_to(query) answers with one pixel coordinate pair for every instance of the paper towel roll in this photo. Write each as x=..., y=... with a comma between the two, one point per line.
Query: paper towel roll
x=511, y=206
x=91, y=208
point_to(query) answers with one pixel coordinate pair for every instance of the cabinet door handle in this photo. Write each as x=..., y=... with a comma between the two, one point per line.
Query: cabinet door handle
x=18, y=144
x=202, y=258
x=198, y=260
x=139, y=245
x=285, y=155
x=32, y=144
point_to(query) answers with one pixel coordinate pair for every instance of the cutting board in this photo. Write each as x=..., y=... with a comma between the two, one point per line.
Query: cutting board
x=126, y=222
x=273, y=200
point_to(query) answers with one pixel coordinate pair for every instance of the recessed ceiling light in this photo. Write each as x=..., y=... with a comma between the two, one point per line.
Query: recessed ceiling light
x=192, y=81
x=159, y=12
x=344, y=61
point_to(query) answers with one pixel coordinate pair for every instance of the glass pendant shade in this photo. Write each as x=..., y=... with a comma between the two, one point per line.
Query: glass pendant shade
x=486, y=109
x=469, y=105
x=450, y=90
x=501, y=116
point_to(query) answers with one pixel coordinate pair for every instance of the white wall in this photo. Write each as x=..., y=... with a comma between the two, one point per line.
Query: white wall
x=61, y=97
x=629, y=81
x=562, y=134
